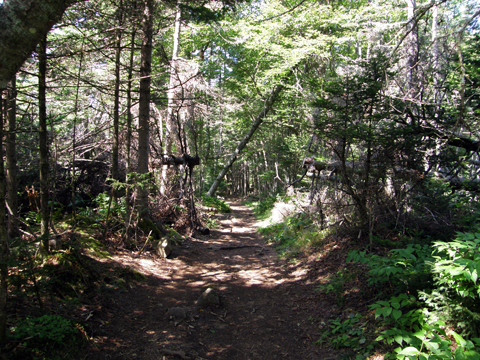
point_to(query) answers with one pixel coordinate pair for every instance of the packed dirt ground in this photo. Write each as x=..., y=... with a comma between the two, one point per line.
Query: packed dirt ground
x=262, y=307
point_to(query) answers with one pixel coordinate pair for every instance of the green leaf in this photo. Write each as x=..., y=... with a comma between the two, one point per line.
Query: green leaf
x=396, y=314
x=474, y=276
x=409, y=351
x=395, y=305
x=387, y=311
x=399, y=339
x=459, y=340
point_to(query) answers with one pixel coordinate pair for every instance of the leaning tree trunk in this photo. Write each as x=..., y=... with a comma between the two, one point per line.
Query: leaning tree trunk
x=144, y=107
x=42, y=134
x=23, y=23
x=266, y=109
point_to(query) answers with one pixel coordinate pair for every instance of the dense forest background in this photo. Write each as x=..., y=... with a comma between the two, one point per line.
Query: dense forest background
x=363, y=114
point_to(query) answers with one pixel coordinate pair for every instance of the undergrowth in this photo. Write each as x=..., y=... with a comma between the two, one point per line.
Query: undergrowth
x=295, y=234
x=216, y=203
x=47, y=293
x=262, y=208
x=424, y=295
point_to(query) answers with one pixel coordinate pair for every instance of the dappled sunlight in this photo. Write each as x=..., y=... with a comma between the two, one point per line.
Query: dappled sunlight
x=259, y=316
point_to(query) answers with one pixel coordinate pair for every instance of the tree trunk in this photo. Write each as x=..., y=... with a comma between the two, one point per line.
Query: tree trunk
x=129, y=134
x=172, y=133
x=412, y=51
x=11, y=158
x=266, y=109
x=116, y=105
x=74, y=137
x=144, y=106
x=23, y=23
x=3, y=244
x=42, y=134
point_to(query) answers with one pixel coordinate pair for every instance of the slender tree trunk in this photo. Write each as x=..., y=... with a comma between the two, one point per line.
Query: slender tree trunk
x=42, y=132
x=11, y=158
x=116, y=105
x=3, y=243
x=412, y=51
x=172, y=133
x=74, y=140
x=129, y=134
x=144, y=106
x=266, y=109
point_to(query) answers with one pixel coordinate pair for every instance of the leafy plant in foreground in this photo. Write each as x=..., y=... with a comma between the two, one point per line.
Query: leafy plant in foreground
x=349, y=334
x=403, y=268
x=456, y=296
x=46, y=337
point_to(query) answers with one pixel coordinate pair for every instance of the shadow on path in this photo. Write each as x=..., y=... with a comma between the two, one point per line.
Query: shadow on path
x=265, y=312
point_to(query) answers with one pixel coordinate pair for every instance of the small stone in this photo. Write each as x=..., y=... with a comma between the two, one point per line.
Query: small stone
x=208, y=298
x=177, y=312
x=164, y=248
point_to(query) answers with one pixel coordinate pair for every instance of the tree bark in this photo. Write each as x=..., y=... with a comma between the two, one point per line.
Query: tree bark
x=259, y=119
x=144, y=106
x=171, y=128
x=43, y=147
x=3, y=244
x=23, y=23
x=129, y=133
x=116, y=105
x=11, y=157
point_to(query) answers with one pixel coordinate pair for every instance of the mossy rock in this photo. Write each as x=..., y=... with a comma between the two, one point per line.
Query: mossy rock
x=148, y=226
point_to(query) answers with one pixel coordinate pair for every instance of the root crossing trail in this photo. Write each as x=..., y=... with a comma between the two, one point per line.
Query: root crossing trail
x=267, y=308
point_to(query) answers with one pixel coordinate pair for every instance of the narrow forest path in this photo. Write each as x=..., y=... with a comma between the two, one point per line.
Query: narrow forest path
x=268, y=308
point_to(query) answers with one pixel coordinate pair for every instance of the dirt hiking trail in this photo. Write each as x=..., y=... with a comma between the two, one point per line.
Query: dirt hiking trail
x=267, y=308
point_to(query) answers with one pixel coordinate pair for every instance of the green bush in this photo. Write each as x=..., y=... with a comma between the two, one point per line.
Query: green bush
x=47, y=337
x=350, y=334
x=456, y=295
x=293, y=235
x=402, y=268
x=444, y=320
x=216, y=203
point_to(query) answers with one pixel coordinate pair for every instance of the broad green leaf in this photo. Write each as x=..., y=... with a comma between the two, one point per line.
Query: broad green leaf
x=409, y=351
x=399, y=339
x=387, y=311
x=395, y=305
x=459, y=340
x=396, y=314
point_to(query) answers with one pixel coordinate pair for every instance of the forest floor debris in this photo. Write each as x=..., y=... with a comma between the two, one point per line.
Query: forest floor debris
x=265, y=312
x=243, y=302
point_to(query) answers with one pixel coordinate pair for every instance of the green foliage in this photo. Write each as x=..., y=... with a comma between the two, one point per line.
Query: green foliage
x=262, y=208
x=402, y=268
x=456, y=295
x=419, y=324
x=216, y=203
x=350, y=333
x=47, y=337
x=336, y=284
x=452, y=211
x=293, y=235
